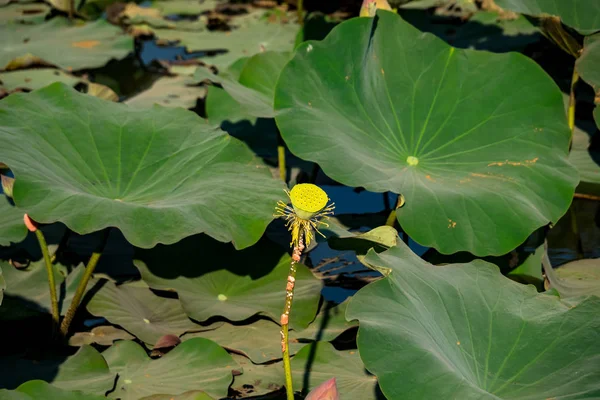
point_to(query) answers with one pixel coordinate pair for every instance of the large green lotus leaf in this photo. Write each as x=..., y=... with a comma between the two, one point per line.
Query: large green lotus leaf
x=141, y=312
x=30, y=285
x=86, y=370
x=12, y=228
x=464, y=331
x=583, y=15
x=59, y=43
x=104, y=335
x=24, y=13
x=197, y=364
x=199, y=180
x=479, y=156
x=576, y=278
x=260, y=342
x=253, y=36
x=587, y=67
x=169, y=91
x=36, y=390
x=229, y=283
x=33, y=79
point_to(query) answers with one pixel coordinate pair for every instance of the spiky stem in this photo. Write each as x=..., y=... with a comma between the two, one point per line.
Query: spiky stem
x=285, y=317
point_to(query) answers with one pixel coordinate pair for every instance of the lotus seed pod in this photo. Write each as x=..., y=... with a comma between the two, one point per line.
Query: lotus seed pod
x=369, y=7
x=307, y=200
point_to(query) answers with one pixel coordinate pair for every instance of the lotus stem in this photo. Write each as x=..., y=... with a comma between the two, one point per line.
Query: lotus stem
x=285, y=317
x=572, y=102
x=89, y=270
x=281, y=162
x=53, y=298
x=300, y=9
x=71, y=9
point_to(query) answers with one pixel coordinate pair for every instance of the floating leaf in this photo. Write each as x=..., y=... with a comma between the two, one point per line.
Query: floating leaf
x=254, y=35
x=229, y=283
x=260, y=341
x=465, y=331
x=198, y=364
x=185, y=7
x=86, y=371
x=576, y=278
x=103, y=335
x=58, y=42
x=323, y=361
x=169, y=91
x=471, y=150
x=24, y=13
x=583, y=15
x=30, y=285
x=36, y=390
x=158, y=190
x=33, y=79
x=137, y=309
x=257, y=380
x=192, y=395
x=12, y=228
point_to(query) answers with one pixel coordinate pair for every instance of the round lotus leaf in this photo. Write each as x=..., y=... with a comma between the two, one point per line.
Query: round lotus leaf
x=157, y=174
x=198, y=364
x=464, y=331
x=58, y=42
x=480, y=156
x=37, y=389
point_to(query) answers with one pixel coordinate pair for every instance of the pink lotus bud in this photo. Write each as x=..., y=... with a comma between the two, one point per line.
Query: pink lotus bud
x=369, y=7
x=29, y=223
x=325, y=391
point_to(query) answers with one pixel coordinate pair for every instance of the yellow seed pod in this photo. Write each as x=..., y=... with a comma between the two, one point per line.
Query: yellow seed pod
x=307, y=200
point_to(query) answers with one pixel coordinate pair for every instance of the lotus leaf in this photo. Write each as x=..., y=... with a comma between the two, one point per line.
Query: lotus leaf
x=229, y=283
x=480, y=157
x=30, y=285
x=583, y=15
x=169, y=91
x=198, y=364
x=137, y=309
x=36, y=390
x=12, y=228
x=465, y=331
x=254, y=35
x=199, y=180
x=59, y=43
